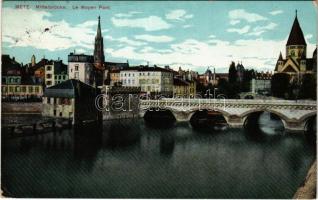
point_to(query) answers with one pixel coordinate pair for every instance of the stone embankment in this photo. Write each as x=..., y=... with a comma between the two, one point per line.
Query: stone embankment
x=21, y=108
x=308, y=189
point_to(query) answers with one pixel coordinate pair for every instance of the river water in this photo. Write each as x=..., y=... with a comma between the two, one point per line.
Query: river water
x=131, y=159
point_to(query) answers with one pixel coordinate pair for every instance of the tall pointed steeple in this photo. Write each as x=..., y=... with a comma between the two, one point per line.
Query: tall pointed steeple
x=280, y=56
x=99, y=32
x=296, y=36
x=99, y=57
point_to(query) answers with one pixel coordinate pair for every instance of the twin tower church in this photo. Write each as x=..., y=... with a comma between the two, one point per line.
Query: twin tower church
x=297, y=61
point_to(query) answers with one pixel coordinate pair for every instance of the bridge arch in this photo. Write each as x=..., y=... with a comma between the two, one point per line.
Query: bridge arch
x=309, y=121
x=159, y=114
x=224, y=113
x=205, y=118
x=247, y=114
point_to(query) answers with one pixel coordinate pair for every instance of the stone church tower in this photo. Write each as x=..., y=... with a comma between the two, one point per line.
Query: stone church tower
x=33, y=61
x=296, y=62
x=99, y=57
x=296, y=46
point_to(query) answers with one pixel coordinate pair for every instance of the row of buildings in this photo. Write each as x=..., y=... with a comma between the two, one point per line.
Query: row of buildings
x=37, y=79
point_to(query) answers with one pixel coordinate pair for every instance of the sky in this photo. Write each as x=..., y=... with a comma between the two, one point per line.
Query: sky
x=193, y=35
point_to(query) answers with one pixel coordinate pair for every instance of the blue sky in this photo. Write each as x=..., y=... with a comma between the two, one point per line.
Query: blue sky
x=193, y=35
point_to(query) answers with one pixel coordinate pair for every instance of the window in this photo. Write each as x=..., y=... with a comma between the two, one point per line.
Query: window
x=55, y=77
x=54, y=112
x=61, y=114
x=30, y=89
x=23, y=89
x=49, y=68
x=76, y=75
x=76, y=67
x=54, y=100
x=49, y=76
x=48, y=83
x=37, y=89
x=10, y=89
x=17, y=89
x=47, y=100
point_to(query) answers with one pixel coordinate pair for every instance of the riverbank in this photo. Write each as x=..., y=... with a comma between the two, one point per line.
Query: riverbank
x=21, y=107
x=308, y=189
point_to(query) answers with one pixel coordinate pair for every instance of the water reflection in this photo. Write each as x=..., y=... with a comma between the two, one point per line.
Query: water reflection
x=263, y=126
x=132, y=159
x=167, y=143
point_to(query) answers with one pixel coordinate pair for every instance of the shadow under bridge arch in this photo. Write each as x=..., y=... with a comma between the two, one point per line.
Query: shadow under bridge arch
x=209, y=119
x=262, y=121
x=158, y=117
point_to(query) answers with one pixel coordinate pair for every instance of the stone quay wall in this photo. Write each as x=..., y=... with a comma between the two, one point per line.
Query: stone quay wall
x=19, y=107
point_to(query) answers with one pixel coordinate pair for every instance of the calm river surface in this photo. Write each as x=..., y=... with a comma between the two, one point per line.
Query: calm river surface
x=133, y=160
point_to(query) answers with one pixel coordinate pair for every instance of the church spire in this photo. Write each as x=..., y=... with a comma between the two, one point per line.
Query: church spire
x=99, y=57
x=99, y=32
x=280, y=56
x=296, y=36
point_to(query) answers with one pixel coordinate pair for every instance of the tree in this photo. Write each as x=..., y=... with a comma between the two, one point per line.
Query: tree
x=280, y=84
x=247, y=77
x=232, y=73
x=308, y=87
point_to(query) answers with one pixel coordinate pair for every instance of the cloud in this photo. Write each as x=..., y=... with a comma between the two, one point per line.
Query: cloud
x=212, y=36
x=178, y=15
x=258, y=53
x=241, y=14
x=32, y=28
x=187, y=26
x=258, y=30
x=129, y=14
x=276, y=12
x=125, y=40
x=308, y=36
x=240, y=31
x=81, y=51
x=151, y=23
x=233, y=22
x=154, y=38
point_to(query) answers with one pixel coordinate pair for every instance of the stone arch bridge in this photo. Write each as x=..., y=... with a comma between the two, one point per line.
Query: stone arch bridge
x=294, y=114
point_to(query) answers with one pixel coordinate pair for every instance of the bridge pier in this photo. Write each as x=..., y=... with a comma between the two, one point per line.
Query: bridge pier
x=294, y=126
x=234, y=121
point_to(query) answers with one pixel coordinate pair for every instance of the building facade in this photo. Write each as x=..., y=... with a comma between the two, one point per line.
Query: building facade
x=21, y=92
x=261, y=83
x=151, y=80
x=71, y=99
x=80, y=67
x=55, y=73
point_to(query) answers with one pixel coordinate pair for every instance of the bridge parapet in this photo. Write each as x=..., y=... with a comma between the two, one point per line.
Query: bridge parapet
x=235, y=111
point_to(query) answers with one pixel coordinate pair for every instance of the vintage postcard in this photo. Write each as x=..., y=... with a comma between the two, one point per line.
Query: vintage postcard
x=159, y=99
